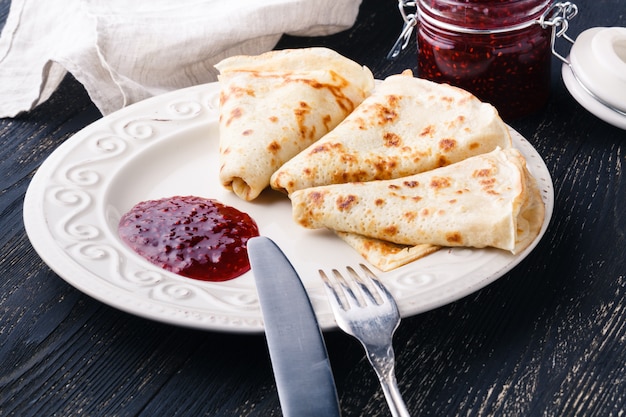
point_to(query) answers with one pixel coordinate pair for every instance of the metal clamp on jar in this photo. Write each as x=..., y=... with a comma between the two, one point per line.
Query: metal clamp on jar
x=499, y=51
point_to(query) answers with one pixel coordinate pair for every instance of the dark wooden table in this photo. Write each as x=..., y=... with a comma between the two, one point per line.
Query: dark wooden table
x=547, y=339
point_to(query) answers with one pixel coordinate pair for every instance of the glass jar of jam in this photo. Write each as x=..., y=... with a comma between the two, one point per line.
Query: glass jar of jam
x=496, y=49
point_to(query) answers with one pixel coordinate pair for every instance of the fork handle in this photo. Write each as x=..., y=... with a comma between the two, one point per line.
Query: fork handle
x=394, y=398
x=385, y=369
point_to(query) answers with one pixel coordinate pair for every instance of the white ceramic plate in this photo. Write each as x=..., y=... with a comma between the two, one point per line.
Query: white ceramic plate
x=168, y=145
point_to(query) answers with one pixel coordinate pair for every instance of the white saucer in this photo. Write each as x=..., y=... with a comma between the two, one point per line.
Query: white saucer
x=589, y=102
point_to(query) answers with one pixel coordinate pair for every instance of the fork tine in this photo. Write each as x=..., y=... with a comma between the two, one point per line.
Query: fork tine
x=340, y=289
x=381, y=287
x=366, y=284
x=331, y=290
x=350, y=290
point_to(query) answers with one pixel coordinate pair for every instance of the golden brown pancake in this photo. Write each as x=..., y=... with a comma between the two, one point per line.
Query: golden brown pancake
x=407, y=126
x=489, y=200
x=276, y=104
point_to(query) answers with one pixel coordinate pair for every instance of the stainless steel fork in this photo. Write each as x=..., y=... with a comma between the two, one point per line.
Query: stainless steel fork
x=365, y=309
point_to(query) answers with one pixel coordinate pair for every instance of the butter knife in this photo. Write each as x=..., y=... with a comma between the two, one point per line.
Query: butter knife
x=302, y=371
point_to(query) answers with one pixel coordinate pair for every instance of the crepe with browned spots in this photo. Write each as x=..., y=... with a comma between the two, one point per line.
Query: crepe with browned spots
x=408, y=125
x=386, y=255
x=274, y=105
x=488, y=200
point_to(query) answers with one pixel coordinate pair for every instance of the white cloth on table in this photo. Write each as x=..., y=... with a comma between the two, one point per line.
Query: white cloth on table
x=125, y=51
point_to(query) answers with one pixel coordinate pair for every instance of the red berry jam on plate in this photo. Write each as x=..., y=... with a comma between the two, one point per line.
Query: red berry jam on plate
x=191, y=236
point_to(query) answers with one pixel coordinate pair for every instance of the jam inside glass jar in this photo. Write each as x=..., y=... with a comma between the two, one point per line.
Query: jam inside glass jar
x=495, y=49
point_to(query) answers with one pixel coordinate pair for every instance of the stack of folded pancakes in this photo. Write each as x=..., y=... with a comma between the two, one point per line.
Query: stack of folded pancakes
x=397, y=169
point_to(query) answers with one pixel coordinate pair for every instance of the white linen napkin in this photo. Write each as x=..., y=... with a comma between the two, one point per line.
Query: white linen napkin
x=124, y=51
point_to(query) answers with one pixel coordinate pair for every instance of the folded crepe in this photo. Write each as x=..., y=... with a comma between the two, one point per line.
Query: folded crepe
x=276, y=104
x=489, y=200
x=408, y=125
x=386, y=255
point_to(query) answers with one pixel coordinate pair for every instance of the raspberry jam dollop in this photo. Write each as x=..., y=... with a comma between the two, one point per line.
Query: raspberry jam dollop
x=191, y=236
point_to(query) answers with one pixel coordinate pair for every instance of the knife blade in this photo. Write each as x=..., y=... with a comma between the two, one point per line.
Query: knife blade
x=302, y=371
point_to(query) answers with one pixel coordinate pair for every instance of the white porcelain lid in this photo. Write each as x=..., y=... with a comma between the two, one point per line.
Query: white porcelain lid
x=595, y=73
